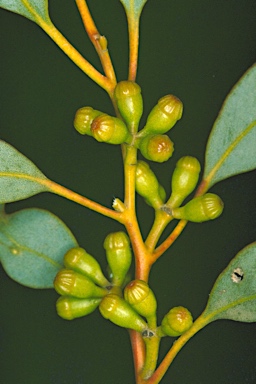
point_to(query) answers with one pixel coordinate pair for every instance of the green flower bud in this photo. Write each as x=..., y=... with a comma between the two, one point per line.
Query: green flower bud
x=162, y=193
x=157, y=148
x=202, y=208
x=79, y=260
x=84, y=118
x=119, y=256
x=141, y=298
x=177, y=321
x=70, y=283
x=129, y=102
x=147, y=185
x=184, y=180
x=163, y=116
x=119, y=312
x=70, y=308
x=109, y=129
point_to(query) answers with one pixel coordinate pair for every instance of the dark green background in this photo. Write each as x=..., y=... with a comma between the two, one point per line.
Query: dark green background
x=194, y=49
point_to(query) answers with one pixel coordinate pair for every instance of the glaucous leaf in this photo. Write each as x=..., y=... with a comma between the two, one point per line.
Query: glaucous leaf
x=32, y=9
x=133, y=8
x=32, y=246
x=231, y=148
x=19, y=177
x=234, y=293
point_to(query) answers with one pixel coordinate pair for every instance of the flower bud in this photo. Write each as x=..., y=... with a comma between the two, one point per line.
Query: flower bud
x=109, y=129
x=79, y=260
x=141, y=298
x=119, y=256
x=119, y=312
x=163, y=116
x=84, y=118
x=147, y=185
x=129, y=102
x=70, y=308
x=157, y=148
x=184, y=180
x=177, y=321
x=202, y=208
x=71, y=283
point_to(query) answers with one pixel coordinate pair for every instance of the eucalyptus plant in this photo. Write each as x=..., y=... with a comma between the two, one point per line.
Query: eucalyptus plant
x=38, y=250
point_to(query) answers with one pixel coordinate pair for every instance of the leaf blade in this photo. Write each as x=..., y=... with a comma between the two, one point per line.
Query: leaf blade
x=19, y=177
x=32, y=245
x=231, y=146
x=233, y=295
x=31, y=9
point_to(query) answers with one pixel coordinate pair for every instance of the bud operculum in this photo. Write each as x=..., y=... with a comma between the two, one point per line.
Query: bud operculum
x=119, y=312
x=147, y=185
x=79, y=260
x=158, y=148
x=109, y=129
x=70, y=308
x=184, y=180
x=141, y=298
x=177, y=321
x=163, y=116
x=119, y=256
x=129, y=102
x=84, y=118
x=71, y=283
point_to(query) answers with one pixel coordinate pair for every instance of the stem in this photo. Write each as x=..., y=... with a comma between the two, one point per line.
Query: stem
x=170, y=240
x=133, y=29
x=99, y=42
x=152, y=348
x=70, y=51
x=75, y=197
x=162, y=219
x=176, y=347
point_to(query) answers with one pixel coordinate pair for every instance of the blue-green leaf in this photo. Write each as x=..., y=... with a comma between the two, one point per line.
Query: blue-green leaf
x=32, y=9
x=133, y=8
x=231, y=147
x=234, y=293
x=32, y=245
x=19, y=177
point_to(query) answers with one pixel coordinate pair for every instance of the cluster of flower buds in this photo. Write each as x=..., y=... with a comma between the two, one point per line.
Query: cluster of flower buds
x=184, y=180
x=151, y=140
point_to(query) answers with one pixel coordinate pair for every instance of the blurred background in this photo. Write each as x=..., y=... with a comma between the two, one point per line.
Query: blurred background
x=197, y=51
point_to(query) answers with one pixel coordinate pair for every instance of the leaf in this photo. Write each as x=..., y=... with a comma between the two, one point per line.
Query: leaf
x=133, y=8
x=234, y=293
x=19, y=177
x=32, y=9
x=32, y=245
x=231, y=147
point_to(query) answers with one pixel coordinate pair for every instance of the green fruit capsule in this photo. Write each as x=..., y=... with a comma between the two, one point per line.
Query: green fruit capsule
x=141, y=298
x=129, y=102
x=158, y=148
x=70, y=308
x=184, y=179
x=147, y=185
x=177, y=321
x=202, y=208
x=109, y=129
x=119, y=312
x=119, y=256
x=79, y=260
x=70, y=283
x=163, y=116
x=84, y=118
